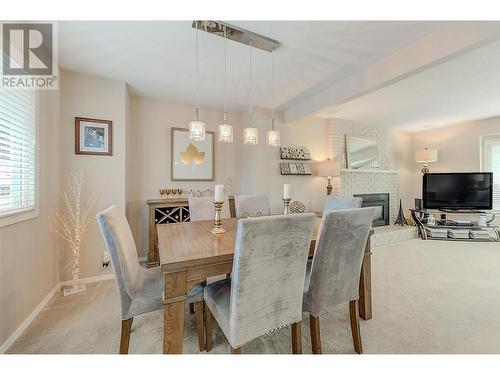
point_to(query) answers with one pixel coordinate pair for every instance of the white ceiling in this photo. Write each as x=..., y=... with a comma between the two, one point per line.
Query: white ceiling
x=156, y=59
x=464, y=88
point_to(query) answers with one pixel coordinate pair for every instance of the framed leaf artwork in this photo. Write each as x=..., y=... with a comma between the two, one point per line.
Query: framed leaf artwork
x=191, y=160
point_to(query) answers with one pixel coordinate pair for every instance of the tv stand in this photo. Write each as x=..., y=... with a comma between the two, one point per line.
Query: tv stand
x=420, y=218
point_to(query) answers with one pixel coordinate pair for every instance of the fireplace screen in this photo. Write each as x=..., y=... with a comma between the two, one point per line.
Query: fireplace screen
x=381, y=203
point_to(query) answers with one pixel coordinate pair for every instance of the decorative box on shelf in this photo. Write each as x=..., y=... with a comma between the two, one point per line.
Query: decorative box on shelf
x=295, y=168
x=295, y=153
x=303, y=169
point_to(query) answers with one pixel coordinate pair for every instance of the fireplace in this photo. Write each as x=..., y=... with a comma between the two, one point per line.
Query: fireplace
x=381, y=204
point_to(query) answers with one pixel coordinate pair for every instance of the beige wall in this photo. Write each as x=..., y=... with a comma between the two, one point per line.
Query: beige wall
x=458, y=151
x=148, y=168
x=253, y=169
x=104, y=176
x=403, y=162
x=29, y=254
x=32, y=259
x=259, y=166
x=458, y=148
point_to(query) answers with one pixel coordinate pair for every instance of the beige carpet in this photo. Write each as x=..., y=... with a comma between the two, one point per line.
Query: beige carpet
x=429, y=297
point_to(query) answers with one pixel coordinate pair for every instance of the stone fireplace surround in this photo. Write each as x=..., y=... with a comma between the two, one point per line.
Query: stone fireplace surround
x=353, y=182
x=364, y=181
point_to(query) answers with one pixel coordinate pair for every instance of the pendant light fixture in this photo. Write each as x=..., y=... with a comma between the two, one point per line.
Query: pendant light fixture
x=273, y=136
x=251, y=134
x=225, y=131
x=197, y=128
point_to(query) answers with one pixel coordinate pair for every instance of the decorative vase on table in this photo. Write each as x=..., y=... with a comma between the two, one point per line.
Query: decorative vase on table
x=72, y=225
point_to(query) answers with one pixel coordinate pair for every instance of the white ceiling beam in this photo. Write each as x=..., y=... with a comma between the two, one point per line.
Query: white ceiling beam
x=453, y=40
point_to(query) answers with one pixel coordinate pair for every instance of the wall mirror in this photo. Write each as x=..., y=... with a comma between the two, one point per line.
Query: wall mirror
x=361, y=152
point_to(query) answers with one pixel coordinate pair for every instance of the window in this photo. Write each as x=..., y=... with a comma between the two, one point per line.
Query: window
x=18, y=153
x=490, y=162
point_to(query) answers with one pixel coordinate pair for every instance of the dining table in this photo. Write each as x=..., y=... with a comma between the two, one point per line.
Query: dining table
x=189, y=254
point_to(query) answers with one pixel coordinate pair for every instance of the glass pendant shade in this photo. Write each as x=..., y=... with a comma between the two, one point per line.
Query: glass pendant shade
x=251, y=136
x=197, y=131
x=225, y=133
x=273, y=138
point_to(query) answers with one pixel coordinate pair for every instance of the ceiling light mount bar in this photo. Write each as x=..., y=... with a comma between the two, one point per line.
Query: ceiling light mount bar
x=223, y=29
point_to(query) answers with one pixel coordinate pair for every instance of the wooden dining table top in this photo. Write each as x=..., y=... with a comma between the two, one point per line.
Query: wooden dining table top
x=191, y=244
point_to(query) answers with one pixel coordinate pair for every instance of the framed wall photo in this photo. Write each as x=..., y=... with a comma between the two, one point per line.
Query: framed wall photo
x=93, y=136
x=191, y=161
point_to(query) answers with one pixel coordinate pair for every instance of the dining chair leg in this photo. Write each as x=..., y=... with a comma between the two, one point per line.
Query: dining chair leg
x=191, y=308
x=125, y=335
x=356, y=332
x=296, y=338
x=236, y=351
x=315, y=334
x=209, y=327
x=200, y=324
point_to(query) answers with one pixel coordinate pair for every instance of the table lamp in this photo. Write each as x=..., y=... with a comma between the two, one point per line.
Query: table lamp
x=329, y=169
x=426, y=156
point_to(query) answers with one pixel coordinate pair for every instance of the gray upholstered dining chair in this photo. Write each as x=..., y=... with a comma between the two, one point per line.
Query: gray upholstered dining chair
x=336, y=268
x=337, y=202
x=202, y=208
x=140, y=289
x=251, y=206
x=266, y=290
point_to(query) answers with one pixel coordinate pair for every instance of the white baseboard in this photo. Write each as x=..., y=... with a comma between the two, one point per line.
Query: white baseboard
x=143, y=259
x=88, y=280
x=19, y=330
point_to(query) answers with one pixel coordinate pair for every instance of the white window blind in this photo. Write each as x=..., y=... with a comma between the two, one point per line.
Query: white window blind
x=18, y=154
x=491, y=163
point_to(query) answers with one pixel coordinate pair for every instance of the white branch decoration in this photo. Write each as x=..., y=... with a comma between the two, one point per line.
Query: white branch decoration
x=71, y=226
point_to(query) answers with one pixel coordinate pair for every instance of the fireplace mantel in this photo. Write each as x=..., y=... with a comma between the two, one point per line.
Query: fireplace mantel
x=389, y=171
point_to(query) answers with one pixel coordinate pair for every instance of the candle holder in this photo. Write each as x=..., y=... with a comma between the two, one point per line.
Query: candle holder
x=286, y=206
x=217, y=229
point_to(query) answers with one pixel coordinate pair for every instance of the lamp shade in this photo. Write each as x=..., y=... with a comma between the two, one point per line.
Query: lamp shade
x=329, y=168
x=426, y=155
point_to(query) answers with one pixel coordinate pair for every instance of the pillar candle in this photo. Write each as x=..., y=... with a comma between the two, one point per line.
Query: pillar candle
x=286, y=191
x=219, y=193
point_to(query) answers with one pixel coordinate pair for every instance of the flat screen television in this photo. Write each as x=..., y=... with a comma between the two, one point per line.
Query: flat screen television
x=458, y=191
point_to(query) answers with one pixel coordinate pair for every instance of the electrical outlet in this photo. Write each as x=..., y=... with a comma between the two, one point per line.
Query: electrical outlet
x=106, y=260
